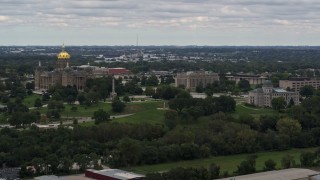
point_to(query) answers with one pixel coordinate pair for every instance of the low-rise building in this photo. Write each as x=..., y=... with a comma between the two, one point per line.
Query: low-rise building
x=295, y=84
x=262, y=97
x=284, y=174
x=192, y=79
x=112, y=174
x=253, y=79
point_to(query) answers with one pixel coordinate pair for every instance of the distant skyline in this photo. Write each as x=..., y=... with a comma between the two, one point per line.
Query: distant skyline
x=160, y=22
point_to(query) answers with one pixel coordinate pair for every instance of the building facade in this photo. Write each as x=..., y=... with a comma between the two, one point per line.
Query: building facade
x=262, y=97
x=253, y=79
x=65, y=75
x=192, y=79
x=295, y=84
x=61, y=75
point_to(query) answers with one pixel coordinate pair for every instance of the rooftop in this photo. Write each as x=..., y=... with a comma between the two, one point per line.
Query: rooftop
x=285, y=174
x=279, y=90
x=117, y=173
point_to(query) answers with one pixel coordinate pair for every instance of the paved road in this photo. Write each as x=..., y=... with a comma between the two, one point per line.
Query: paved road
x=88, y=119
x=80, y=120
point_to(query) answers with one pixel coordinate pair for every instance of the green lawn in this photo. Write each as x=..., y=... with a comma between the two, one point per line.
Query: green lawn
x=140, y=109
x=29, y=100
x=152, y=116
x=144, y=112
x=226, y=163
x=84, y=111
x=254, y=111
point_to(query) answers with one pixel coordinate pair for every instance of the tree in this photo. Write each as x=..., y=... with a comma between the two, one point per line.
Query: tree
x=214, y=171
x=130, y=151
x=38, y=103
x=278, y=103
x=288, y=126
x=101, y=116
x=291, y=103
x=126, y=99
x=199, y=88
x=246, y=140
x=22, y=118
x=248, y=119
x=307, y=159
x=226, y=104
x=152, y=81
x=30, y=85
x=82, y=160
x=247, y=166
x=288, y=162
x=149, y=91
x=81, y=98
x=118, y=106
x=45, y=97
x=16, y=119
x=307, y=91
x=183, y=94
x=208, y=92
x=53, y=161
x=244, y=85
x=38, y=164
x=269, y=165
x=195, y=112
x=71, y=99
x=268, y=122
x=171, y=118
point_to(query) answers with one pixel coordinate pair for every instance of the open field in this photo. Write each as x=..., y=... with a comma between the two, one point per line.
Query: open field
x=152, y=116
x=87, y=111
x=145, y=111
x=29, y=100
x=226, y=163
x=254, y=111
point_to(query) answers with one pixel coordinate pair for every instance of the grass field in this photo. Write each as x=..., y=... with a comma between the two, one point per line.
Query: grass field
x=254, y=111
x=226, y=163
x=29, y=100
x=145, y=111
x=84, y=111
x=152, y=116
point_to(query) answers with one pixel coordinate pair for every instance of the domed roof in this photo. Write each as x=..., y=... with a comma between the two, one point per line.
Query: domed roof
x=63, y=54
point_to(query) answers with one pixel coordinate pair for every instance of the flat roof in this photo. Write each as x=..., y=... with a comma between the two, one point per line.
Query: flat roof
x=285, y=174
x=279, y=90
x=47, y=177
x=117, y=173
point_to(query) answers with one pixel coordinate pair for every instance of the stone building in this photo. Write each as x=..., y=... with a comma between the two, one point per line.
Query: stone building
x=65, y=75
x=61, y=75
x=295, y=84
x=192, y=79
x=253, y=79
x=262, y=97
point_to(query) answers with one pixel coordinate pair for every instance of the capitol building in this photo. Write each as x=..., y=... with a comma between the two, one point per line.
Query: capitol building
x=65, y=75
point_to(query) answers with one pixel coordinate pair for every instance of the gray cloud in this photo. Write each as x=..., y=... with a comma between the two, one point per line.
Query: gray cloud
x=295, y=16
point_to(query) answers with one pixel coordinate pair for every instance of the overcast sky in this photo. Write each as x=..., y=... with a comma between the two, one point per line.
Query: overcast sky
x=160, y=22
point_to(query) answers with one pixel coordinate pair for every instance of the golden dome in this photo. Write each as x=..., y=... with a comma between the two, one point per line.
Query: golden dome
x=63, y=54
